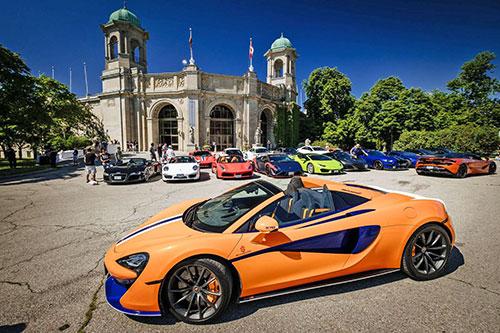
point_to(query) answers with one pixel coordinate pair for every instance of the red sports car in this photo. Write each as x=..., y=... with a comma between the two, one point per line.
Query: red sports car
x=232, y=167
x=455, y=164
x=204, y=158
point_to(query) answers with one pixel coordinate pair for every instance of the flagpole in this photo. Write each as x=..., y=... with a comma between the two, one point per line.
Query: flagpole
x=86, y=81
x=191, y=59
x=250, y=55
x=70, y=79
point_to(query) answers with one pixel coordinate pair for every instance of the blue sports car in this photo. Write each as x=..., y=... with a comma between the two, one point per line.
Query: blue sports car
x=411, y=157
x=380, y=161
x=277, y=165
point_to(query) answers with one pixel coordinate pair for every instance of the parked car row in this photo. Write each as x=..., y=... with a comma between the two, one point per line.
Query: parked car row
x=232, y=163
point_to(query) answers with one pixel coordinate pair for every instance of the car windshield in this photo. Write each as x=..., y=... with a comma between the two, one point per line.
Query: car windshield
x=317, y=148
x=183, y=159
x=217, y=214
x=201, y=153
x=261, y=150
x=342, y=154
x=316, y=157
x=136, y=161
x=280, y=158
x=375, y=153
x=231, y=159
x=233, y=152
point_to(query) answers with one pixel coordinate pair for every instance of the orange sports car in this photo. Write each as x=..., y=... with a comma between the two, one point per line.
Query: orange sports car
x=458, y=165
x=195, y=258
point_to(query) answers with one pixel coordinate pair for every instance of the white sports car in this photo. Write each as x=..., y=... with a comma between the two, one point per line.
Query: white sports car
x=255, y=152
x=312, y=149
x=181, y=168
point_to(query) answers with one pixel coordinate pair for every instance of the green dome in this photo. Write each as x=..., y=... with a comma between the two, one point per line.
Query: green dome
x=123, y=14
x=281, y=43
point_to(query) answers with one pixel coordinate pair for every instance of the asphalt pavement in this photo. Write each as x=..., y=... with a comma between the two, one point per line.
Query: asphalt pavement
x=55, y=230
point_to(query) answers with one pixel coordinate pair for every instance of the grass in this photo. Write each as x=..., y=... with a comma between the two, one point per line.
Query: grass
x=23, y=166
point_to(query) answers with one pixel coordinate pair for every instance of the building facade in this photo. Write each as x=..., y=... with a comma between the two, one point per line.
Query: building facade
x=189, y=107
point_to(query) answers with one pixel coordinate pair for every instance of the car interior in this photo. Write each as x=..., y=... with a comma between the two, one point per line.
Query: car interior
x=300, y=203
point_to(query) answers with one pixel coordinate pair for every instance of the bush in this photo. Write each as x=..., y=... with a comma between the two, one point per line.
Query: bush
x=483, y=140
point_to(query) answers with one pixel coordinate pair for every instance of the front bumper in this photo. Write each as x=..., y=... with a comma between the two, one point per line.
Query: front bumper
x=122, y=178
x=181, y=176
x=236, y=175
x=115, y=292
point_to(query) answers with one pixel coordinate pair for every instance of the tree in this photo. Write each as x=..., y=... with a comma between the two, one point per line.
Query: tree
x=286, y=129
x=328, y=99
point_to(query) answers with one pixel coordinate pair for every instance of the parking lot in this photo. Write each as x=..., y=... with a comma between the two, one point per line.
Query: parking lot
x=55, y=230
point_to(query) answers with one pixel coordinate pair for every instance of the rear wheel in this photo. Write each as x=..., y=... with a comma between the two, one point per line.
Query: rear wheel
x=198, y=291
x=462, y=171
x=378, y=165
x=426, y=253
x=492, y=168
x=310, y=168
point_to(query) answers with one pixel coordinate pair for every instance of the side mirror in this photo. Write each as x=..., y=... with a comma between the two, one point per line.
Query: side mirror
x=266, y=224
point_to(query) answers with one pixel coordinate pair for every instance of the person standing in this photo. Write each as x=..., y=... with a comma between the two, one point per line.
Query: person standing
x=75, y=156
x=105, y=158
x=170, y=153
x=158, y=151
x=307, y=142
x=11, y=157
x=118, y=155
x=152, y=152
x=53, y=158
x=90, y=170
x=357, y=151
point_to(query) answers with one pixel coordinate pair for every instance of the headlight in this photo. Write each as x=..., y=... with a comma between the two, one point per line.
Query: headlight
x=385, y=160
x=135, y=262
x=195, y=167
x=139, y=173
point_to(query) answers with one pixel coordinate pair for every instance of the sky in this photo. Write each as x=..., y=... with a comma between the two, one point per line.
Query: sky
x=423, y=42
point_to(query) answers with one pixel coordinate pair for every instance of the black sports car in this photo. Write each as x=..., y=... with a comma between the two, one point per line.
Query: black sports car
x=131, y=171
x=350, y=163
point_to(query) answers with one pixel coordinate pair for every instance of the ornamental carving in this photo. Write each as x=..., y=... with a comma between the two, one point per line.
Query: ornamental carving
x=181, y=81
x=167, y=82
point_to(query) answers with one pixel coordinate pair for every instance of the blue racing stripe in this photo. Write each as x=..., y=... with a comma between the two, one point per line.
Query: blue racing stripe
x=148, y=227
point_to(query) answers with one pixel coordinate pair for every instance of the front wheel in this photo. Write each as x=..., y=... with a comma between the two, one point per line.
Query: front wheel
x=378, y=165
x=198, y=291
x=492, y=168
x=310, y=168
x=426, y=253
x=462, y=171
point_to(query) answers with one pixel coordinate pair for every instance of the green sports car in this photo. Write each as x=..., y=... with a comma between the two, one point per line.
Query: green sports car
x=316, y=163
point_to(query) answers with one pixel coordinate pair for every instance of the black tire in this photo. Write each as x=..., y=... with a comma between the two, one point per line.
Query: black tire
x=190, y=296
x=310, y=168
x=378, y=165
x=426, y=253
x=462, y=171
x=492, y=168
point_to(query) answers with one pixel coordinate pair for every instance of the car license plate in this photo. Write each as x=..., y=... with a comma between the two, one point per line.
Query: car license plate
x=237, y=176
x=117, y=177
x=180, y=175
x=291, y=173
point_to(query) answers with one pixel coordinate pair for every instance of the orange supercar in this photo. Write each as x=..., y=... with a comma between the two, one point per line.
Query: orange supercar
x=256, y=241
x=458, y=165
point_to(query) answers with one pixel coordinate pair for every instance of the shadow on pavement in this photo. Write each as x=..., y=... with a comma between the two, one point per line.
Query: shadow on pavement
x=45, y=175
x=16, y=328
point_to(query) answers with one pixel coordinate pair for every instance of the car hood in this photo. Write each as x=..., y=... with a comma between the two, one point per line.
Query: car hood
x=165, y=227
x=180, y=167
x=328, y=164
x=287, y=166
x=125, y=168
x=231, y=167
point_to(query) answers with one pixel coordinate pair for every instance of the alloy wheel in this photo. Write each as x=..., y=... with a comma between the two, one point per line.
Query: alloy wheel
x=310, y=168
x=492, y=168
x=194, y=292
x=379, y=165
x=429, y=252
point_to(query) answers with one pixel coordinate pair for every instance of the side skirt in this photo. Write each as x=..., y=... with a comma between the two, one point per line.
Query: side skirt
x=321, y=284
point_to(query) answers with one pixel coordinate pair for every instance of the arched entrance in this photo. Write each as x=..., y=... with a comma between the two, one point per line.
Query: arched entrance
x=167, y=126
x=264, y=128
x=222, y=127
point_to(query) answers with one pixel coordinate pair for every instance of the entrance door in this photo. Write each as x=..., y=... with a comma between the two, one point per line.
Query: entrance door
x=167, y=122
x=222, y=127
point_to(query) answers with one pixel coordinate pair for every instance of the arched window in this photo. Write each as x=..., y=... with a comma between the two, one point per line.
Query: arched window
x=264, y=127
x=136, y=51
x=167, y=122
x=222, y=127
x=113, y=48
x=278, y=68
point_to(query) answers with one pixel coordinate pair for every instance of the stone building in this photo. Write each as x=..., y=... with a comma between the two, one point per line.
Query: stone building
x=190, y=106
